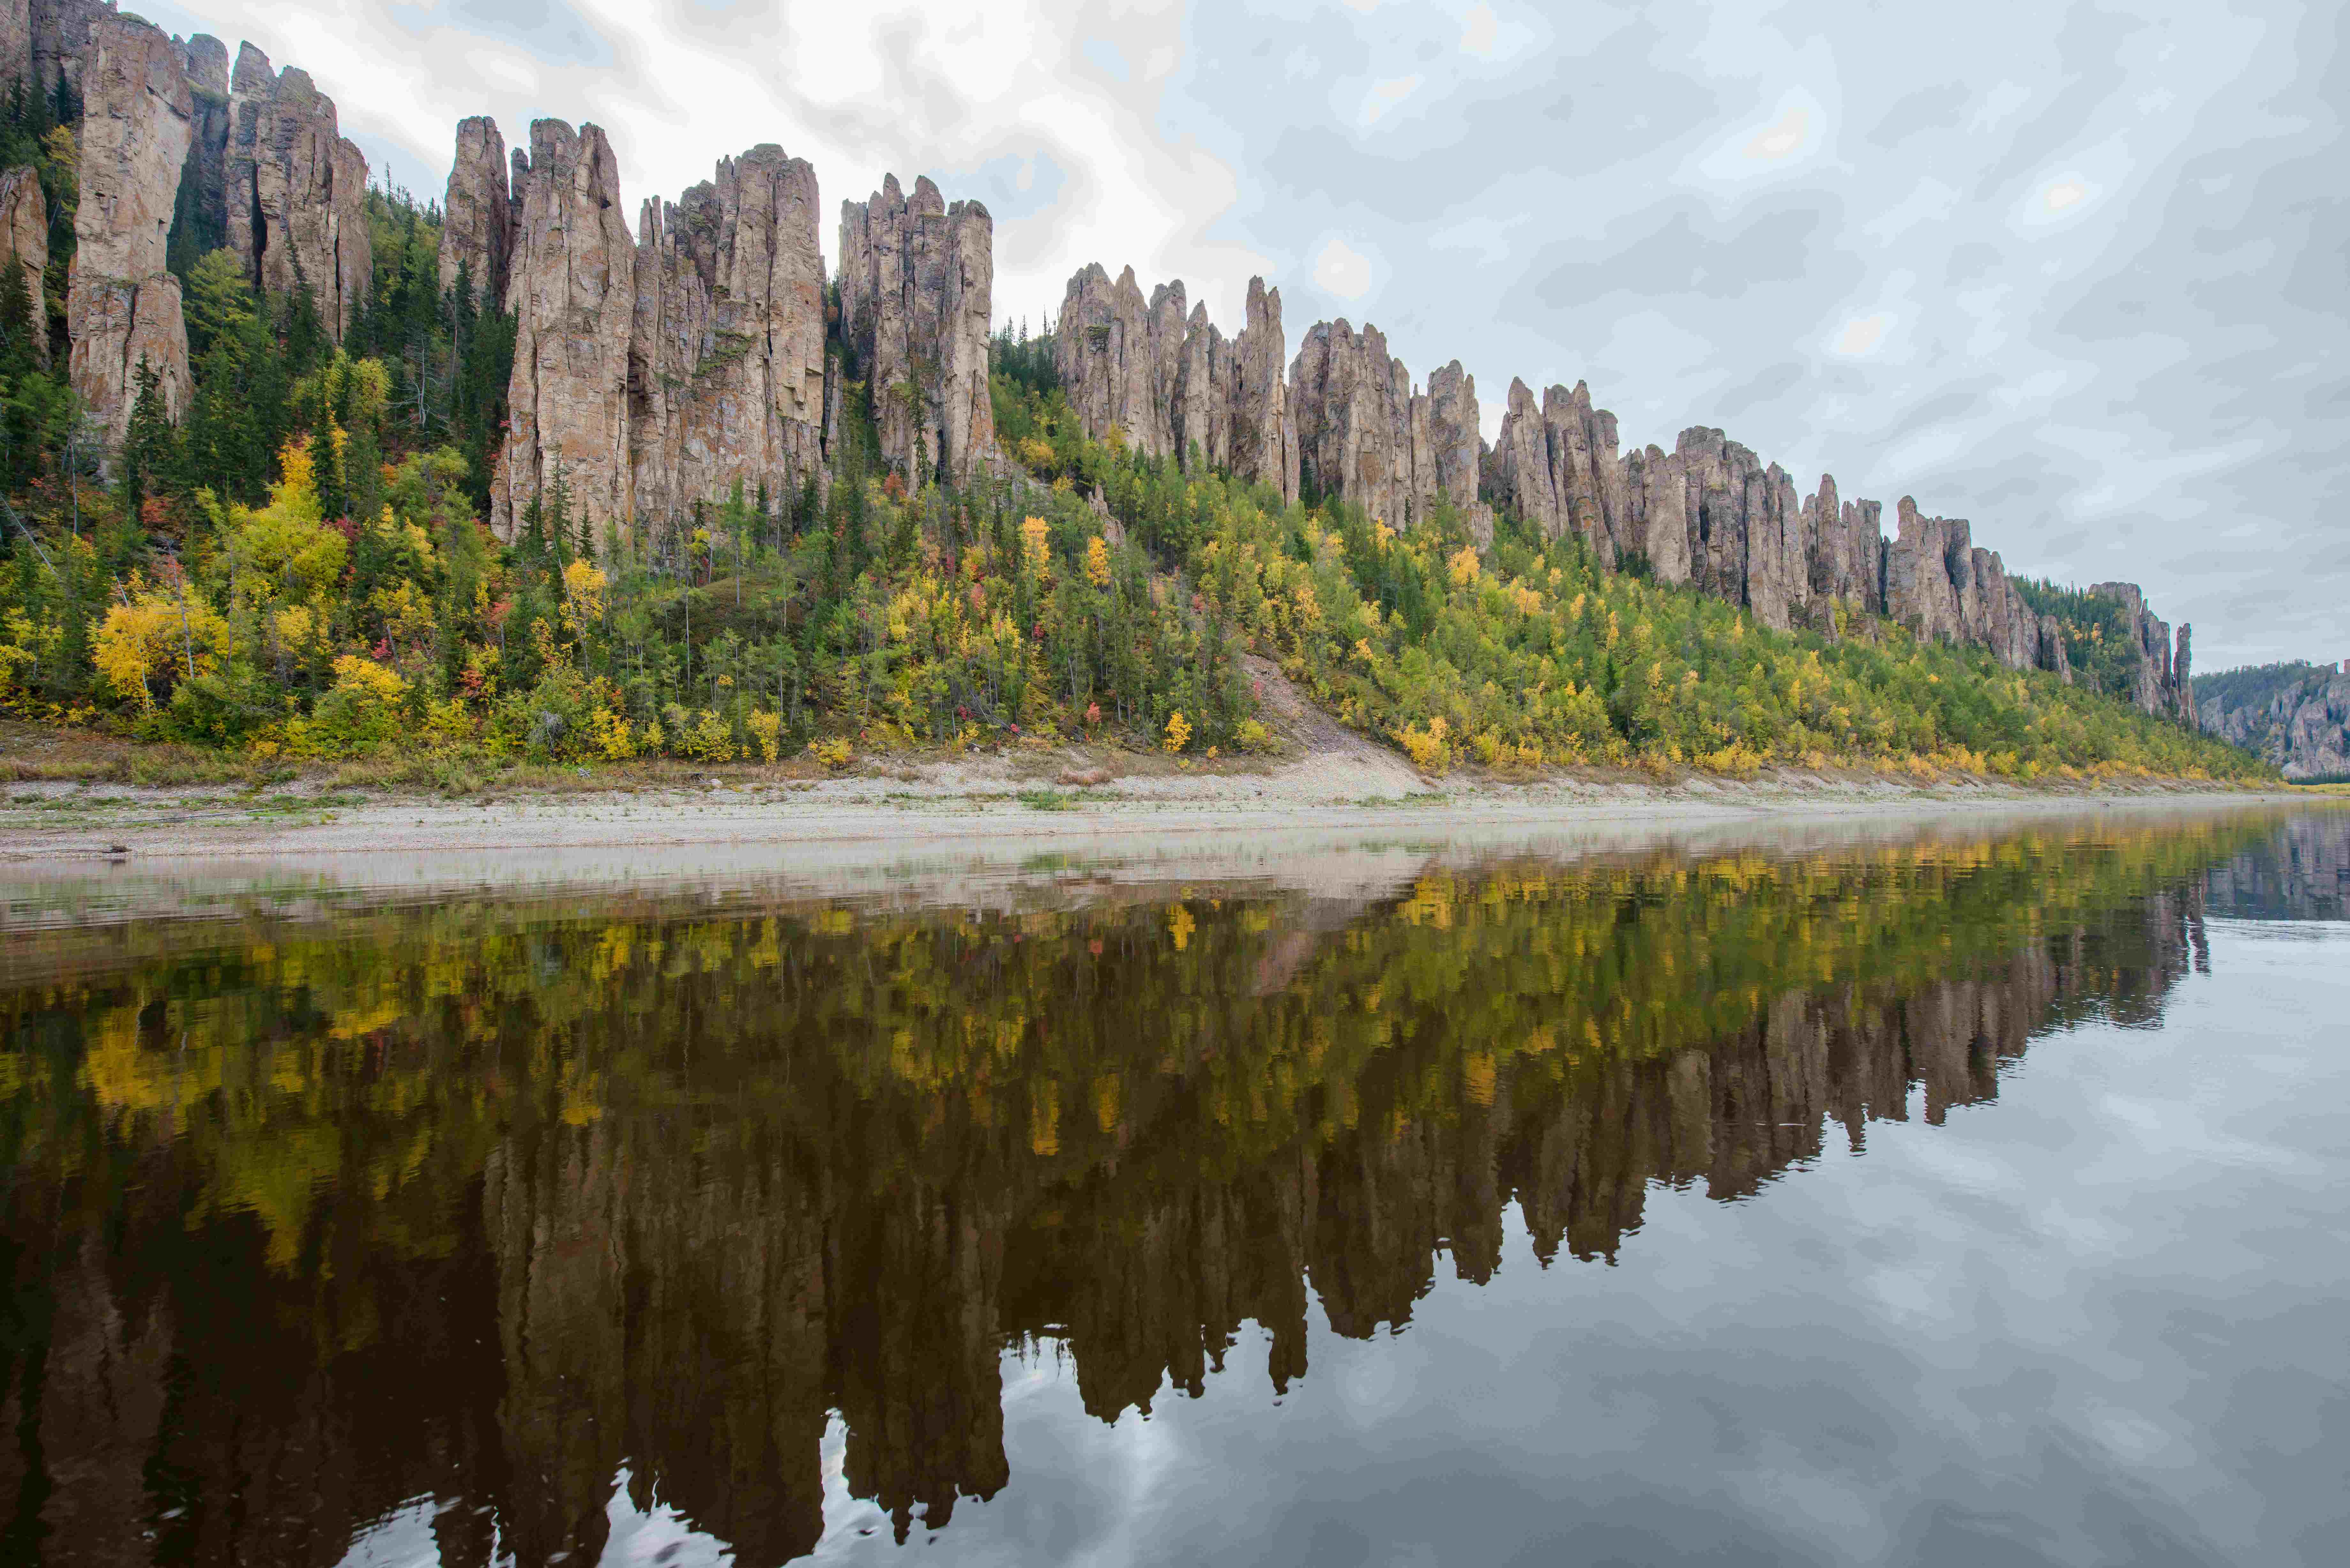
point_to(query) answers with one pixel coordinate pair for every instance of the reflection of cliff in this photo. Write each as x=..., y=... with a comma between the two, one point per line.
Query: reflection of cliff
x=2302, y=873
x=691, y=1186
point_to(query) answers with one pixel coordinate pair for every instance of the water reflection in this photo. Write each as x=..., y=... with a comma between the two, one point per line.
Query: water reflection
x=488, y=1204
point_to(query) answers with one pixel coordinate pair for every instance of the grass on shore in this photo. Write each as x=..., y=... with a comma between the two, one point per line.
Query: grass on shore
x=41, y=754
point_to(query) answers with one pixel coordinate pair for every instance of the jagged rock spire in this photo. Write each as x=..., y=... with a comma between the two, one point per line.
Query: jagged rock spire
x=573, y=294
x=477, y=215
x=123, y=308
x=297, y=191
x=726, y=363
x=917, y=281
x=1364, y=435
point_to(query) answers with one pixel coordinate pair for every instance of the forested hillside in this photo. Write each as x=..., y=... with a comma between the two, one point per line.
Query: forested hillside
x=310, y=532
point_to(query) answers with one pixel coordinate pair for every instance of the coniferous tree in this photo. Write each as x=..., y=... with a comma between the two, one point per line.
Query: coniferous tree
x=150, y=445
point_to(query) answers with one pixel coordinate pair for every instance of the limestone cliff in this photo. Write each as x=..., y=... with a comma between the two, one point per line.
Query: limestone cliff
x=16, y=45
x=123, y=308
x=573, y=296
x=1455, y=446
x=296, y=191
x=1558, y=466
x=1943, y=586
x=656, y=372
x=24, y=240
x=2296, y=716
x=916, y=280
x=204, y=58
x=62, y=34
x=726, y=362
x=1172, y=384
x=1365, y=436
x=1202, y=398
x=2164, y=680
x=1263, y=419
x=1845, y=556
x=477, y=214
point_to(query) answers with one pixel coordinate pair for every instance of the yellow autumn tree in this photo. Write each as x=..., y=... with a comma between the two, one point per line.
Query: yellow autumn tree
x=359, y=714
x=286, y=550
x=156, y=634
x=583, y=596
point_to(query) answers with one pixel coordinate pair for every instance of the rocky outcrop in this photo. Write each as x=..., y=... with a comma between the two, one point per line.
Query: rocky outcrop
x=573, y=296
x=1173, y=385
x=1656, y=503
x=1455, y=444
x=63, y=34
x=1119, y=357
x=1365, y=436
x=656, y=372
x=1202, y=398
x=1264, y=418
x=1844, y=552
x=917, y=279
x=2295, y=716
x=204, y=58
x=726, y=363
x=1944, y=587
x=1556, y=464
x=24, y=240
x=2163, y=681
x=297, y=191
x=1745, y=541
x=123, y=308
x=477, y=217
x=16, y=45
x=1353, y=409
x=2300, y=722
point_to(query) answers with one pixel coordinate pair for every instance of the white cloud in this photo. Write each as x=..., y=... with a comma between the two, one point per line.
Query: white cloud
x=1343, y=270
x=1861, y=335
x=1383, y=96
x=1772, y=147
x=1479, y=30
x=1782, y=138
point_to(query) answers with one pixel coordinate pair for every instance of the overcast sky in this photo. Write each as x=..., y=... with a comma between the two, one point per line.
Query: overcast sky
x=2078, y=273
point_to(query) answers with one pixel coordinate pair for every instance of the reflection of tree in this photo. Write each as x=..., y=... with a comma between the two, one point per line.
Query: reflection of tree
x=490, y=1204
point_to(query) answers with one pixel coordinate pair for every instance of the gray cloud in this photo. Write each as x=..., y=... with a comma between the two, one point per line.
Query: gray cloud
x=548, y=28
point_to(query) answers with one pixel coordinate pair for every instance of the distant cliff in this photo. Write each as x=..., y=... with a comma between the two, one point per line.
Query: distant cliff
x=2295, y=715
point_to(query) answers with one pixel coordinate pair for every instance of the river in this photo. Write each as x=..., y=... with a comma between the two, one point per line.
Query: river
x=1938, y=1194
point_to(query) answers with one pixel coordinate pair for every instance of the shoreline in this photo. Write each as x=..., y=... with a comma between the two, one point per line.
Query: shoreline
x=994, y=805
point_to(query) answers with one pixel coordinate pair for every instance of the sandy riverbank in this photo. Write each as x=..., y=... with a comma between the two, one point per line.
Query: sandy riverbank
x=981, y=801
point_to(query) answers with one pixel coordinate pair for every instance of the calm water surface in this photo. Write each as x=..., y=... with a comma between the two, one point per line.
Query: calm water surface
x=1965, y=1197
